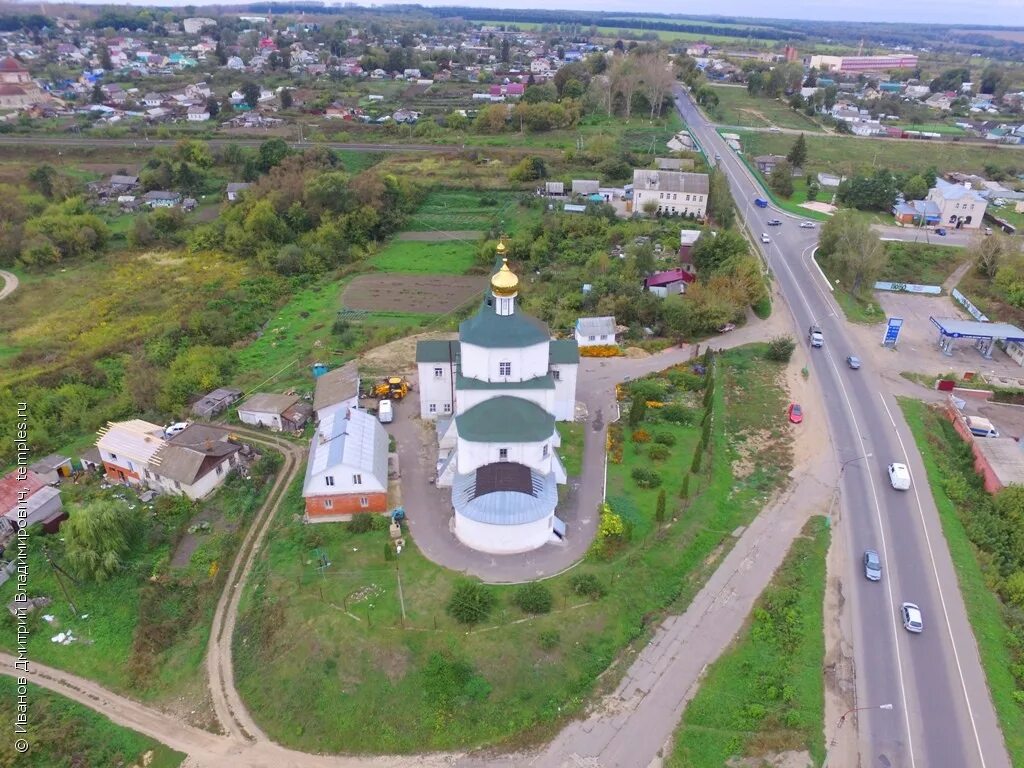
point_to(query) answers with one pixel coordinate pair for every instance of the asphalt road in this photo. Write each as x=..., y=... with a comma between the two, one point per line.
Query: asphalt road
x=942, y=714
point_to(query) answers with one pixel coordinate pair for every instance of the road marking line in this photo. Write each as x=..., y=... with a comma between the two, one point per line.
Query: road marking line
x=938, y=584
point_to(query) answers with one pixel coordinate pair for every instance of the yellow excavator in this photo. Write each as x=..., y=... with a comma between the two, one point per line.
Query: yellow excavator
x=391, y=388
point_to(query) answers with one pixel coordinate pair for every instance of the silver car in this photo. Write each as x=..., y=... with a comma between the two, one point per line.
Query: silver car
x=872, y=565
x=912, y=619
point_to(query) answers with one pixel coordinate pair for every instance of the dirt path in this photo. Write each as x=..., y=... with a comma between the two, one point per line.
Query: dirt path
x=228, y=705
x=10, y=283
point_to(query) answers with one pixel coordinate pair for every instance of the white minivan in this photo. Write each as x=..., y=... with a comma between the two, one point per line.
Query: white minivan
x=981, y=427
x=899, y=477
x=385, y=412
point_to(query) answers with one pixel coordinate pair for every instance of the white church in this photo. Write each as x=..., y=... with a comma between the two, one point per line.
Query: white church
x=496, y=394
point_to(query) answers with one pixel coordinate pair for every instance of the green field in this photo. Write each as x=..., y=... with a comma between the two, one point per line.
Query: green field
x=943, y=128
x=920, y=263
x=638, y=33
x=766, y=694
x=845, y=155
x=464, y=209
x=956, y=488
x=450, y=257
x=738, y=108
x=65, y=734
x=365, y=657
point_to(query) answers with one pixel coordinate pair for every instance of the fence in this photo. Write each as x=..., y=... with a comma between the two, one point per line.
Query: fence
x=969, y=306
x=932, y=290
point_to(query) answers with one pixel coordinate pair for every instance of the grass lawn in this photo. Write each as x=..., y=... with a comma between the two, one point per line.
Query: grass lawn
x=64, y=733
x=949, y=465
x=465, y=209
x=135, y=635
x=513, y=678
x=920, y=263
x=571, y=450
x=450, y=257
x=736, y=107
x=845, y=155
x=859, y=308
x=638, y=33
x=766, y=694
x=638, y=134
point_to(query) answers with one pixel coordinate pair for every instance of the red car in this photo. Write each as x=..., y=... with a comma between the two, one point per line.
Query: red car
x=796, y=413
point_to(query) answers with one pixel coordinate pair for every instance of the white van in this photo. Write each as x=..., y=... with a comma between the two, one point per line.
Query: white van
x=899, y=477
x=981, y=427
x=385, y=412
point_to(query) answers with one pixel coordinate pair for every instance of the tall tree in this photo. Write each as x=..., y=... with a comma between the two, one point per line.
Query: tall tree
x=781, y=179
x=657, y=79
x=251, y=94
x=97, y=539
x=990, y=253
x=105, y=61
x=798, y=152
x=720, y=202
x=626, y=76
x=853, y=248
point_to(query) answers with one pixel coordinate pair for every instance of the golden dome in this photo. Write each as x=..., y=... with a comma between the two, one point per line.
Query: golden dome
x=501, y=249
x=504, y=282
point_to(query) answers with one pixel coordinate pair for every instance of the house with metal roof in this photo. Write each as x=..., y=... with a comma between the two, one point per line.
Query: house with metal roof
x=960, y=205
x=496, y=394
x=279, y=413
x=671, y=282
x=670, y=192
x=216, y=402
x=193, y=463
x=27, y=499
x=595, y=331
x=347, y=471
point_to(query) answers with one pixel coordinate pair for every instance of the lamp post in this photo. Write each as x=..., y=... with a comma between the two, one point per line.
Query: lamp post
x=842, y=720
x=846, y=463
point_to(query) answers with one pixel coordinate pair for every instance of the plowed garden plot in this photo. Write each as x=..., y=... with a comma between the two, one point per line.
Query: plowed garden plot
x=422, y=294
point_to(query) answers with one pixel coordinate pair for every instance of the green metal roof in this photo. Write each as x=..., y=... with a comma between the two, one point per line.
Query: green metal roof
x=546, y=381
x=489, y=329
x=564, y=351
x=437, y=351
x=505, y=420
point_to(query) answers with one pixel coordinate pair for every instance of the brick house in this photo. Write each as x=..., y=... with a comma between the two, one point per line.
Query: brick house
x=347, y=471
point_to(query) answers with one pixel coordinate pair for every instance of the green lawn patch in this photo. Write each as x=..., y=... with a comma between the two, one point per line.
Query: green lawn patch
x=961, y=501
x=736, y=107
x=515, y=677
x=845, y=155
x=462, y=209
x=571, y=450
x=920, y=263
x=64, y=733
x=766, y=693
x=136, y=635
x=448, y=257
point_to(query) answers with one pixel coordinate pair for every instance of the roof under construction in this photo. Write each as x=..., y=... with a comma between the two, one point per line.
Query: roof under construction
x=134, y=439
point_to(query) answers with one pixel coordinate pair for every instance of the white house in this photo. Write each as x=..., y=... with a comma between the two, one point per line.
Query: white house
x=595, y=331
x=960, y=205
x=193, y=463
x=337, y=389
x=128, y=448
x=26, y=499
x=278, y=413
x=198, y=114
x=347, y=471
x=684, y=194
x=496, y=394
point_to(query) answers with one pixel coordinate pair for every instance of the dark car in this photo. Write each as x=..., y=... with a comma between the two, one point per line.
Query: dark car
x=872, y=565
x=853, y=361
x=940, y=231
x=774, y=222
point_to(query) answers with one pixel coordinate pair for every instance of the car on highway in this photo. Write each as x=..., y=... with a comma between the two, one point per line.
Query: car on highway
x=815, y=336
x=774, y=222
x=872, y=565
x=853, y=361
x=899, y=477
x=765, y=238
x=941, y=232
x=796, y=413
x=760, y=202
x=913, y=621
x=806, y=225
x=718, y=157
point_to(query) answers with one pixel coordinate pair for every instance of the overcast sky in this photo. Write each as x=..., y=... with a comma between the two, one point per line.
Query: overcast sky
x=996, y=12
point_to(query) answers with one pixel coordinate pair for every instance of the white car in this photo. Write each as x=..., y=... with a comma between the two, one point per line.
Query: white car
x=807, y=225
x=765, y=238
x=385, y=412
x=913, y=621
x=176, y=429
x=899, y=477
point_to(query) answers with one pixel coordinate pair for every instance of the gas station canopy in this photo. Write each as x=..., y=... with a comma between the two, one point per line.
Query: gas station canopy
x=954, y=328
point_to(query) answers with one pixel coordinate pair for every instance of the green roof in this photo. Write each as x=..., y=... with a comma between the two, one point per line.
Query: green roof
x=436, y=351
x=489, y=329
x=505, y=420
x=546, y=381
x=564, y=351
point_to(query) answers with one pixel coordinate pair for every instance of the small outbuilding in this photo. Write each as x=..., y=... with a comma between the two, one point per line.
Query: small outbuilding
x=26, y=499
x=279, y=413
x=216, y=402
x=336, y=389
x=53, y=468
x=595, y=331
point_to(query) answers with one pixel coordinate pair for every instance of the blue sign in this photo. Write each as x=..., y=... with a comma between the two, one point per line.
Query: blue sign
x=892, y=331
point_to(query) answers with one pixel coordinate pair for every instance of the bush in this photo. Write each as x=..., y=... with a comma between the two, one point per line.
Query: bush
x=763, y=307
x=641, y=436
x=549, y=639
x=684, y=489
x=600, y=350
x=648, y=389
x=533, y=598
x=471, y=602
x=637, y=410
x=587, y=585
x=659, y=509
x=686, y=380
x=361, y=522
x=665, y=438
x=678, y=414
x=658, y=452
x=646, y=478
x=780, y=349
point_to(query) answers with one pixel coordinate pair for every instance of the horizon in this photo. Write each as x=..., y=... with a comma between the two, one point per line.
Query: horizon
x=993, y=13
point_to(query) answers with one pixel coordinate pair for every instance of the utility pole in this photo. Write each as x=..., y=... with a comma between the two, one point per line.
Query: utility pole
x=57, y=571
